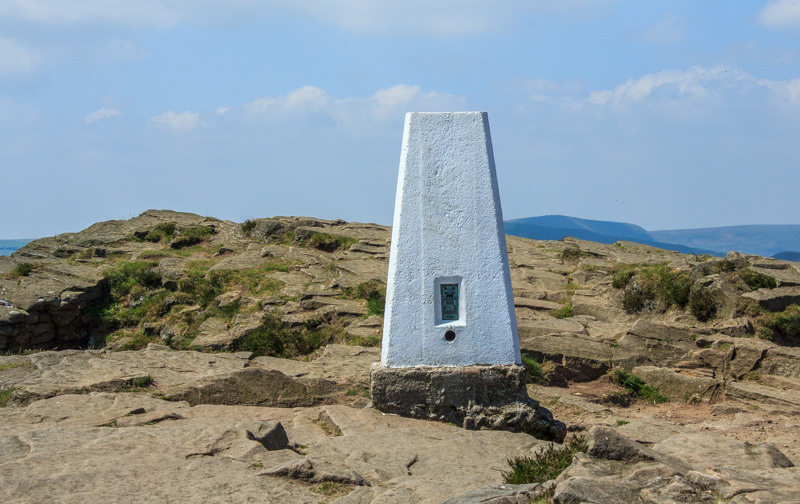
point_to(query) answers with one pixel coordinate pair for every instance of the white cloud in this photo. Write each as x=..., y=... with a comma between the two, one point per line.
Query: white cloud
x=540, y=89
x=697, y=82
x=307, y=99
x=102, y=113
x=669, y=31
x=442, y=18
x=178, y=122
x=780, y=14
x=383, y=104
x=676, y=92
x=123, y=50
x=222, y=110
x=439, y=18
x=395, y=100
x=16, y=60
x=73, y=12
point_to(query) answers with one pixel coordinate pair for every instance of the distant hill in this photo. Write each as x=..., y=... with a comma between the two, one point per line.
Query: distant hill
x=9, y=246
x=766, y=240
x=788, y=256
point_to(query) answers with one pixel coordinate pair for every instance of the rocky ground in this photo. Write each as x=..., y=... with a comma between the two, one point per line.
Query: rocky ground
x=231, y=364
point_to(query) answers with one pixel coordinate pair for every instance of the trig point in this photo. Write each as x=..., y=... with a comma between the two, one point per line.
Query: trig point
x=450, y=345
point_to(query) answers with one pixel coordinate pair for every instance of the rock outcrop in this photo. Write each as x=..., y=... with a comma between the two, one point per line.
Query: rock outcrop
x=189, y=359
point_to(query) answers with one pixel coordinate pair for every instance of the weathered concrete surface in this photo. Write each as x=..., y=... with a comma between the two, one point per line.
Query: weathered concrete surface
x=475, y=397
x=448, y=230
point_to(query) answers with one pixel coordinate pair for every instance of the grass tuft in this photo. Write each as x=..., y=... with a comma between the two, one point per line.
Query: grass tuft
x=20, y=270
x=164, y=231
x=702, y=303
x=545, y=465
x=636, y=386
x=192, y=236
x=5, y=395
x=786, y=324
x=563, y=312
x=247, y=227
x=373, y=292
x=535, y=372
x=756, y=280
x=657, y=287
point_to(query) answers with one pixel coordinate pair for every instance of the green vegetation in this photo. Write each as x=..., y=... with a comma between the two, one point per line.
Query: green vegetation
x=137, y=384
x=5, y=395
x=572, y=287
x=142, y=381
x=329, y=428
x=702, y=303
x=203, y=284
x=131, y=276
x=756, y=280
x=724, y=266
x=535, y=372
x=328, y=243
x=332, y=489
x=373, y=292
x=620, y=423
x=274, y=339
x=637, y=387
x=247, y=227
x=563, y=312
x=14, y=365
x=571, y=254
x=136, y=296
x=657, y=287
x=164, y=231
x=545, y=465
x=192, y=236
x=20, y=270
x=623, y=275
x=669, y=286
x=358, y=391
x=751, y=376
x=785, y=324
x=138, y=341
x=635, y=299
x=748, y=307
x=365, y=341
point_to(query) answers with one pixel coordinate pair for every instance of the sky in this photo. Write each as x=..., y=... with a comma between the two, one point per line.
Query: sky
x=663, y=113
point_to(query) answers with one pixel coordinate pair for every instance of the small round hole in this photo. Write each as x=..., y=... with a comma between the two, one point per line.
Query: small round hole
x=450, y=335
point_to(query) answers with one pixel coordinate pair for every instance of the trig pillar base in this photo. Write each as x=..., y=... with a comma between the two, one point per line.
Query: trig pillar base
x=474, y=397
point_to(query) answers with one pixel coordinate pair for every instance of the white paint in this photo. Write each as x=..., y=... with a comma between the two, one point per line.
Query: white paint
x=448, y=228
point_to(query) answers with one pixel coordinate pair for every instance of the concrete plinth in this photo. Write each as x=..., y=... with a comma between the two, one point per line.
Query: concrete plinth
x=474, y=397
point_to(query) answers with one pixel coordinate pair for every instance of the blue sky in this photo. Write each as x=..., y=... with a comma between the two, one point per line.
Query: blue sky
x=667, y=114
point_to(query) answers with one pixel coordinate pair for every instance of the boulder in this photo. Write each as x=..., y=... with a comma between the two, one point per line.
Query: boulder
x=678, y=386
x=576, y=359
x=253, y=386
x=754, y=393
x=782, y=361
x=776, y=299
x=704, y=451
x=661, y=344
x=214, y=335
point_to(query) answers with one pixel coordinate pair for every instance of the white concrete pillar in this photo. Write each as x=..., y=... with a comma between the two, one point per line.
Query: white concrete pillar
x=448, y=298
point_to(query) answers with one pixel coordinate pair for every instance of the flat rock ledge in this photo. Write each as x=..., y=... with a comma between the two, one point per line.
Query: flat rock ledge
x=474, y=397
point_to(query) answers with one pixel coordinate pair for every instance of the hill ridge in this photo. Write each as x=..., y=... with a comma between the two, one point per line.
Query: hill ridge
x=765, y=240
